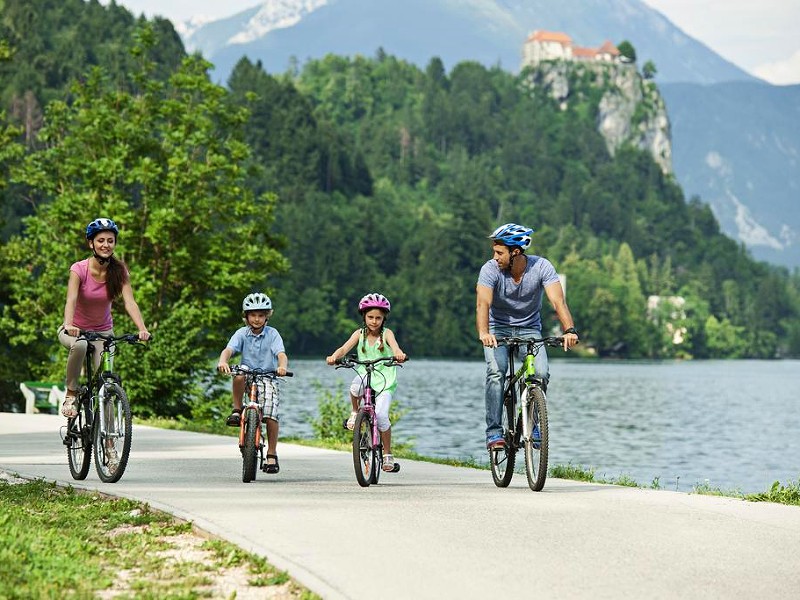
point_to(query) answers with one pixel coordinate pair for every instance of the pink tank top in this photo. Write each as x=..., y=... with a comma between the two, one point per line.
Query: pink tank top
x=93, y=308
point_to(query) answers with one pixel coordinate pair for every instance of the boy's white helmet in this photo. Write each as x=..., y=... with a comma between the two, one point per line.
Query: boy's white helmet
x=256, y=301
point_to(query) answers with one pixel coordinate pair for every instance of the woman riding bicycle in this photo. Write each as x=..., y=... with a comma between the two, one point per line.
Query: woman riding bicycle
x=93, y=284
x=374, y=340
x=509, y=303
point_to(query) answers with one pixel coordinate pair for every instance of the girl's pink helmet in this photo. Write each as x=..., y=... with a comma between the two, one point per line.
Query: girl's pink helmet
x=374, y=300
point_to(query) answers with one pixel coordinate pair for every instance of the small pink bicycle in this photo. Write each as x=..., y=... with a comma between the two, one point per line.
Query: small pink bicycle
x=367, y=446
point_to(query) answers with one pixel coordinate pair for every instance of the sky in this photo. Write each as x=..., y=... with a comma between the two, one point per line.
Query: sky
x=760, y=36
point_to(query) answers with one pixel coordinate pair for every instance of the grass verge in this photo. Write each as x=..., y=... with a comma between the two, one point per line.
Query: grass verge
x=58, y=542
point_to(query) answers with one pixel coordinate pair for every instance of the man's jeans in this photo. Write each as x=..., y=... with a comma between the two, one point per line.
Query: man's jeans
x=496, y=367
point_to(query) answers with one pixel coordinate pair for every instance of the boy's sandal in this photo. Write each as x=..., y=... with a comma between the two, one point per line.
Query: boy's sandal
x=272, y=468
x=68, y=408
x=234, y=418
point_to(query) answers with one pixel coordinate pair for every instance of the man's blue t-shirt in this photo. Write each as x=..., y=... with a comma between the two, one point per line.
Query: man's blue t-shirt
x=517, y=304
x=258, y=351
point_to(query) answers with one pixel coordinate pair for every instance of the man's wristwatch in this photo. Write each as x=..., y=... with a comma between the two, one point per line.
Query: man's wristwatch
x=571, y=330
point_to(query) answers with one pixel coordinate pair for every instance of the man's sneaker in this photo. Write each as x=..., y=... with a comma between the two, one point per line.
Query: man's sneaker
x=496, y=441
x=234, y=419
x=536, y=436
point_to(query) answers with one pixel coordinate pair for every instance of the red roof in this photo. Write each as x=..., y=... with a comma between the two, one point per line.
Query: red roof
x=550, y=36
x=608, y=48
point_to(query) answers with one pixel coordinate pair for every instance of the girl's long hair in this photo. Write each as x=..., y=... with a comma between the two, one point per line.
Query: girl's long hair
x=116, y=277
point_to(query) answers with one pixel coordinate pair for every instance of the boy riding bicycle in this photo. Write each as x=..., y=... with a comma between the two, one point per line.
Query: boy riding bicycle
x=261, y=347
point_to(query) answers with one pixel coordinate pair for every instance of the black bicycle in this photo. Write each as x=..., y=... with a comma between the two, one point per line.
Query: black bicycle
x=524, y=416
x=104, y=421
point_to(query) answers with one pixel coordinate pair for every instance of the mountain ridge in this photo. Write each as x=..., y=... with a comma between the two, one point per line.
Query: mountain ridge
x=752, y=209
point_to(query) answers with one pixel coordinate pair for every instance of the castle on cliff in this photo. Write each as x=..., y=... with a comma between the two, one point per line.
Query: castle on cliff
x=553, y=45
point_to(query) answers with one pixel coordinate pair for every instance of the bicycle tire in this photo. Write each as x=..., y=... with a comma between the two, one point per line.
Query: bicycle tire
x=363, y=452
x=502, y=459
x=377, y=463
x=250, y=450
x=79, y=444
x=536, y=458
x=119, y=428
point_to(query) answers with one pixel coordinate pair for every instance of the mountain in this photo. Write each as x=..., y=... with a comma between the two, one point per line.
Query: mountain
x=488, y=31
x=735, y=138
x=737, y=146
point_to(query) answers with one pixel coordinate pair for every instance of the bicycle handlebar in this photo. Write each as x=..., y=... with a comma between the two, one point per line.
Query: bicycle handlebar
x=351, y=361
x=130, y=338
x=257, y=372
x=552, y=341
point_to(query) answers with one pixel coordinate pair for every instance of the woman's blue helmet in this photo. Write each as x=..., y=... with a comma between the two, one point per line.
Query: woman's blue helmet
x=512, y=234
x=98, y=225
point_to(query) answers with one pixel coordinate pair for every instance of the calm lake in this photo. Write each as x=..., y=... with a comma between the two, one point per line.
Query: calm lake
x=731, y=424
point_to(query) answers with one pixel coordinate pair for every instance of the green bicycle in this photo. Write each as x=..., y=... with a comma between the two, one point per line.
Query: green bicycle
x=524, y=417
x=103, y=422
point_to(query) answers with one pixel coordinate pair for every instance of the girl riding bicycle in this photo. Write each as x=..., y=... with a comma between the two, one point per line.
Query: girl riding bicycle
x=93, y=284
x=374, y=340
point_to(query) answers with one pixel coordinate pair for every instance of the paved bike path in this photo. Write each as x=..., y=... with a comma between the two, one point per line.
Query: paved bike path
x=433, y=531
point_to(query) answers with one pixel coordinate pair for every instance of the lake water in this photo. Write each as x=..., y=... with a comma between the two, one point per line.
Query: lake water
x=731, y=424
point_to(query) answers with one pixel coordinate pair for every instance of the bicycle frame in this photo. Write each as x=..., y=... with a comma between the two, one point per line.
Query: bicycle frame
x=525, y=375
x=250, y=444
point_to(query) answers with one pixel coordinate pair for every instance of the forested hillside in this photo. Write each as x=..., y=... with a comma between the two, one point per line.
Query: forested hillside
x=353, y=175
x=394, y=177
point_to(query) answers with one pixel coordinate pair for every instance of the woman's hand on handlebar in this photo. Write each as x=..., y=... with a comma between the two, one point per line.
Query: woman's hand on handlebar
x=400, y=357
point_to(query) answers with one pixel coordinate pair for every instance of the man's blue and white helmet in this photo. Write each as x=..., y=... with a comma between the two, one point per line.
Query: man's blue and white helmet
x=98, y=225
x=256, y=301
x=512, y=234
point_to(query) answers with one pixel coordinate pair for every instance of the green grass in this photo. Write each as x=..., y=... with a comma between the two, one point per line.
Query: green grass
x=58, y=542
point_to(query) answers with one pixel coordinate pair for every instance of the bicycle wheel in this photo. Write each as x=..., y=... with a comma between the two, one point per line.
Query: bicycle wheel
x=112, y=446
x=502, y=459
x=536, y=450
x=79, y=444
x=250, y=450
x=364, y=455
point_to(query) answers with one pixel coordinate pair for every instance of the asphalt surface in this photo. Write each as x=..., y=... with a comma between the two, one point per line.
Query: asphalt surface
x=432, y=531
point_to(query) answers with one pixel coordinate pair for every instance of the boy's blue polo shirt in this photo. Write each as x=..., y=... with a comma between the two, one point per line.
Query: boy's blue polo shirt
x=258, y=351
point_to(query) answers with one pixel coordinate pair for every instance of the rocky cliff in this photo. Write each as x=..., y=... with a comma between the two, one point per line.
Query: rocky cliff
x=630, y=109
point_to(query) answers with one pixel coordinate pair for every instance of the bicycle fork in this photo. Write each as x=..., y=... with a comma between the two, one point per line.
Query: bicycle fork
x=251, y=405
x=530, y=372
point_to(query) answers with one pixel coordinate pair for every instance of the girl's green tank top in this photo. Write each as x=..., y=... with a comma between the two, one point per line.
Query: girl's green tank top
x=384, y=378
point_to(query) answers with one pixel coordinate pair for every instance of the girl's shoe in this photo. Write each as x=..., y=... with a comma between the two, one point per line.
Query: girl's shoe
x=388, y=463
x=351, y=421
x=68, y=406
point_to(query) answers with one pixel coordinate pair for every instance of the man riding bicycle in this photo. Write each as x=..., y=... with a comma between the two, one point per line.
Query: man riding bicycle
x=509, y=302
